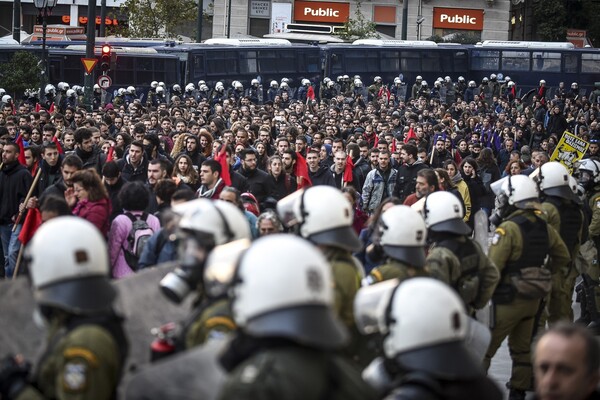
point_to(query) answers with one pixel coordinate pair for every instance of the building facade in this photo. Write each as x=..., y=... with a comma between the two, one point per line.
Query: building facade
x=484, y=19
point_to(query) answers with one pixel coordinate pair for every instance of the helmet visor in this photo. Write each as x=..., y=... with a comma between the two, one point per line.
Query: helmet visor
x=370, y=306
x=221, y=265
x=289, y=209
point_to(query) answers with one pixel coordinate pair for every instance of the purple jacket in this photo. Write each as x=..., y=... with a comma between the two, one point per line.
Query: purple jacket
x=117, y=240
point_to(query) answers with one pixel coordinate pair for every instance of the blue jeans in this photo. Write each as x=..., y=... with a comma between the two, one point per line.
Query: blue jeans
x=10, y=246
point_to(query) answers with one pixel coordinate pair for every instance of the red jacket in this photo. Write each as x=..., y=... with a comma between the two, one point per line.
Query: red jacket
x=96, y=212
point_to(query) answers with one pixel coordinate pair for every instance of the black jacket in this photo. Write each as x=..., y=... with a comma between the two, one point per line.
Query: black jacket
x=406, y=179
x=260, y=183
x=130, y=173
x=321, y=177
x=238, y=181
x=49, y=176
x=15, y=181
x=94, y=159
x=284, y=184
x=361, y=169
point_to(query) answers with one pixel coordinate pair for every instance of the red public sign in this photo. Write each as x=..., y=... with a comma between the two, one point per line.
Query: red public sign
x=458, y=18
x=320, y=11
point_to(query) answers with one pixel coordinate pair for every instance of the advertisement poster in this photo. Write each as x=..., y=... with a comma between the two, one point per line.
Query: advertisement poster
x=281, y=15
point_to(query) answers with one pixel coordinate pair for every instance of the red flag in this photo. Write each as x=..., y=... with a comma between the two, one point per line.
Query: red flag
x=221, y=158
x=376, y=142
x=32, y=222
x=348, y=177
x=393, y=145
x=58, y=146
x=457, y=157
x=411, y=135
x=310, y=94
x=51, y=110
x=301, y=171
x=109, y=156
x=37, y=107
x=19, y=141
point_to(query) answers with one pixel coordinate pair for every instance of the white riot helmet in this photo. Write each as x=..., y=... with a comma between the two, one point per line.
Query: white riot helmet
x=6, y=99
x=295, y=303
x=238, y=85
x=328, y=79
x=2, y=92
x=284, y=85
x=219, y=86
x=403, y=235
x=322, y=222
x=121, y=92
x=176, y=88
x=356, y=76
x=377, y=79
x=305, y=82
x=204, y=224
x=162, y=84
x=274, y=84
x=70, y=93
x=507, y=78
x=397, y=81
x=201, y=82
x=160, y=89
x=511, y=84
x=69, y=266
x=520, y=191
x=493, y=76
x=285, y=80
x=419, y=78
x=330, y=84
x=189, y=87
x=220, y=267
x=429, y=337
x=448, y=79
x=154, y=84
x=574, y=85
x=358, y=83
x=63, y=86
x=255, y=82
x=485, y=80
x=542, y=82
x=346, y=77
x=589, y=173
x=203, y=88
x=130, y=90
x=472, y=84
x=461, y=79
x=553, y=180
x=424, y=83
x=96, y=87
x=50, y=89
x=443, y=212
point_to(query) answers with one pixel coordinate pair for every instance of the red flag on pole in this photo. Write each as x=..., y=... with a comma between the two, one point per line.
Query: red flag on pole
x=19, y=142
x=109, y=156
x=301, y=172
x=58, y=146
x=348, y=176
x=310, y=94
x=32, y=222
x=411, y=135
x=221, y=158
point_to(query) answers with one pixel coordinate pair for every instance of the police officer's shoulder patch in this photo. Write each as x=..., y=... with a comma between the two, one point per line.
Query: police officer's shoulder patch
x=497, y=235
x=75, y=376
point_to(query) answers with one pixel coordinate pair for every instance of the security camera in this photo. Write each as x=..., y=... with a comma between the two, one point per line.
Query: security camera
x=420, y=20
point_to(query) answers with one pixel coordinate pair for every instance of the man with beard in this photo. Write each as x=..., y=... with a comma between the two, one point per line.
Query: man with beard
x=134, y=165
x=193, y=151
x=440, y=154
x=91, y=156
x=380, y=183
x=319, y=175
x=259, y=182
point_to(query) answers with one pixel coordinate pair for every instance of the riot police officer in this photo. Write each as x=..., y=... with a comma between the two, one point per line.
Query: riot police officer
x=453, y=257
x=87, y=348
x=328, y=224
x=399, y=238
x=424, y=352
x=288, y=330
x=525, y=273
x=563, y=211
x=204, y=224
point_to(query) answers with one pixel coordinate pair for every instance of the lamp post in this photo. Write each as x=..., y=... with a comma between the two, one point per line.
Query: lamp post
x=45, y=8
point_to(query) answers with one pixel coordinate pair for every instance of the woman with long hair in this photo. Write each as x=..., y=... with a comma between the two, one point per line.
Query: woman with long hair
x=184, y=171
x=469, y=171
x=205, y=141
x=89, y=199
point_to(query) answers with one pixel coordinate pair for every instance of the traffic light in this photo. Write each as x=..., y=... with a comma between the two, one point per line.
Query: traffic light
x=105, y=58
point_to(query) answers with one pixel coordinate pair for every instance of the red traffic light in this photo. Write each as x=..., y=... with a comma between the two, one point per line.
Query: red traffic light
x=106, y=49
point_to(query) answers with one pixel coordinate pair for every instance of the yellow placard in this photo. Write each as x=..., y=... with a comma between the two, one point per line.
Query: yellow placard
x=569, y=150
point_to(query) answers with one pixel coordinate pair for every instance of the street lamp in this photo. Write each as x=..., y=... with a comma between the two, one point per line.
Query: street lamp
x=45, y=8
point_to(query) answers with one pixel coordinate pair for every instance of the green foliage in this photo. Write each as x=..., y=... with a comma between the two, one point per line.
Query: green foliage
x=550, y=18
x=20, y=73
x=358, y=27
x=157, y=18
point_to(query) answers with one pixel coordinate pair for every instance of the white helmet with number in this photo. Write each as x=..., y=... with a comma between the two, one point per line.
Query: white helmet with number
x=274, y=84
x=189, y=87
x=294, y=303
x=322, y=222
x=443, y=212
x=553, y=180
x=154, y=84
x=69, y=266
x=403, y=235
x=521, y=191
x=305, y=82
x=224, y=221
x=430, y=337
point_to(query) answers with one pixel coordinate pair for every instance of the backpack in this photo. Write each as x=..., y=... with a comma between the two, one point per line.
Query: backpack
x=138, y=236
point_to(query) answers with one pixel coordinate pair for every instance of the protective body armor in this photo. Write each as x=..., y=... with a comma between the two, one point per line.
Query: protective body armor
x=467, y=283
x=538, y=244
x=570, y=220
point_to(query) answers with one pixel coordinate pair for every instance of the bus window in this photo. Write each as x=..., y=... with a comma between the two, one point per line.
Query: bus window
x=222, y=62
x=545, y=61
x=271, y=61
x=515, y=60
x=248, y=62
x=198, y=65
x=430, y=61
x=461, y=61
x=124, y=71
x=570, y=62
x=360, y=61
x=336, y=65
x=286, y=61
x=410, y=61
x=590, y=63
x=390, y=61
x=485, y=60
x=146, y=70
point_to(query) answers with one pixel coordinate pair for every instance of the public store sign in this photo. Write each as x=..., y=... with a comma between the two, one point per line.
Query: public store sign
x=458, y=18
x=321, y=11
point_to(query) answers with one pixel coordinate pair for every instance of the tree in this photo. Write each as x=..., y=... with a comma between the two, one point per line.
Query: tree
x=358, y=27
x=550, y=18
x=157, y=18
x=22, y=72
